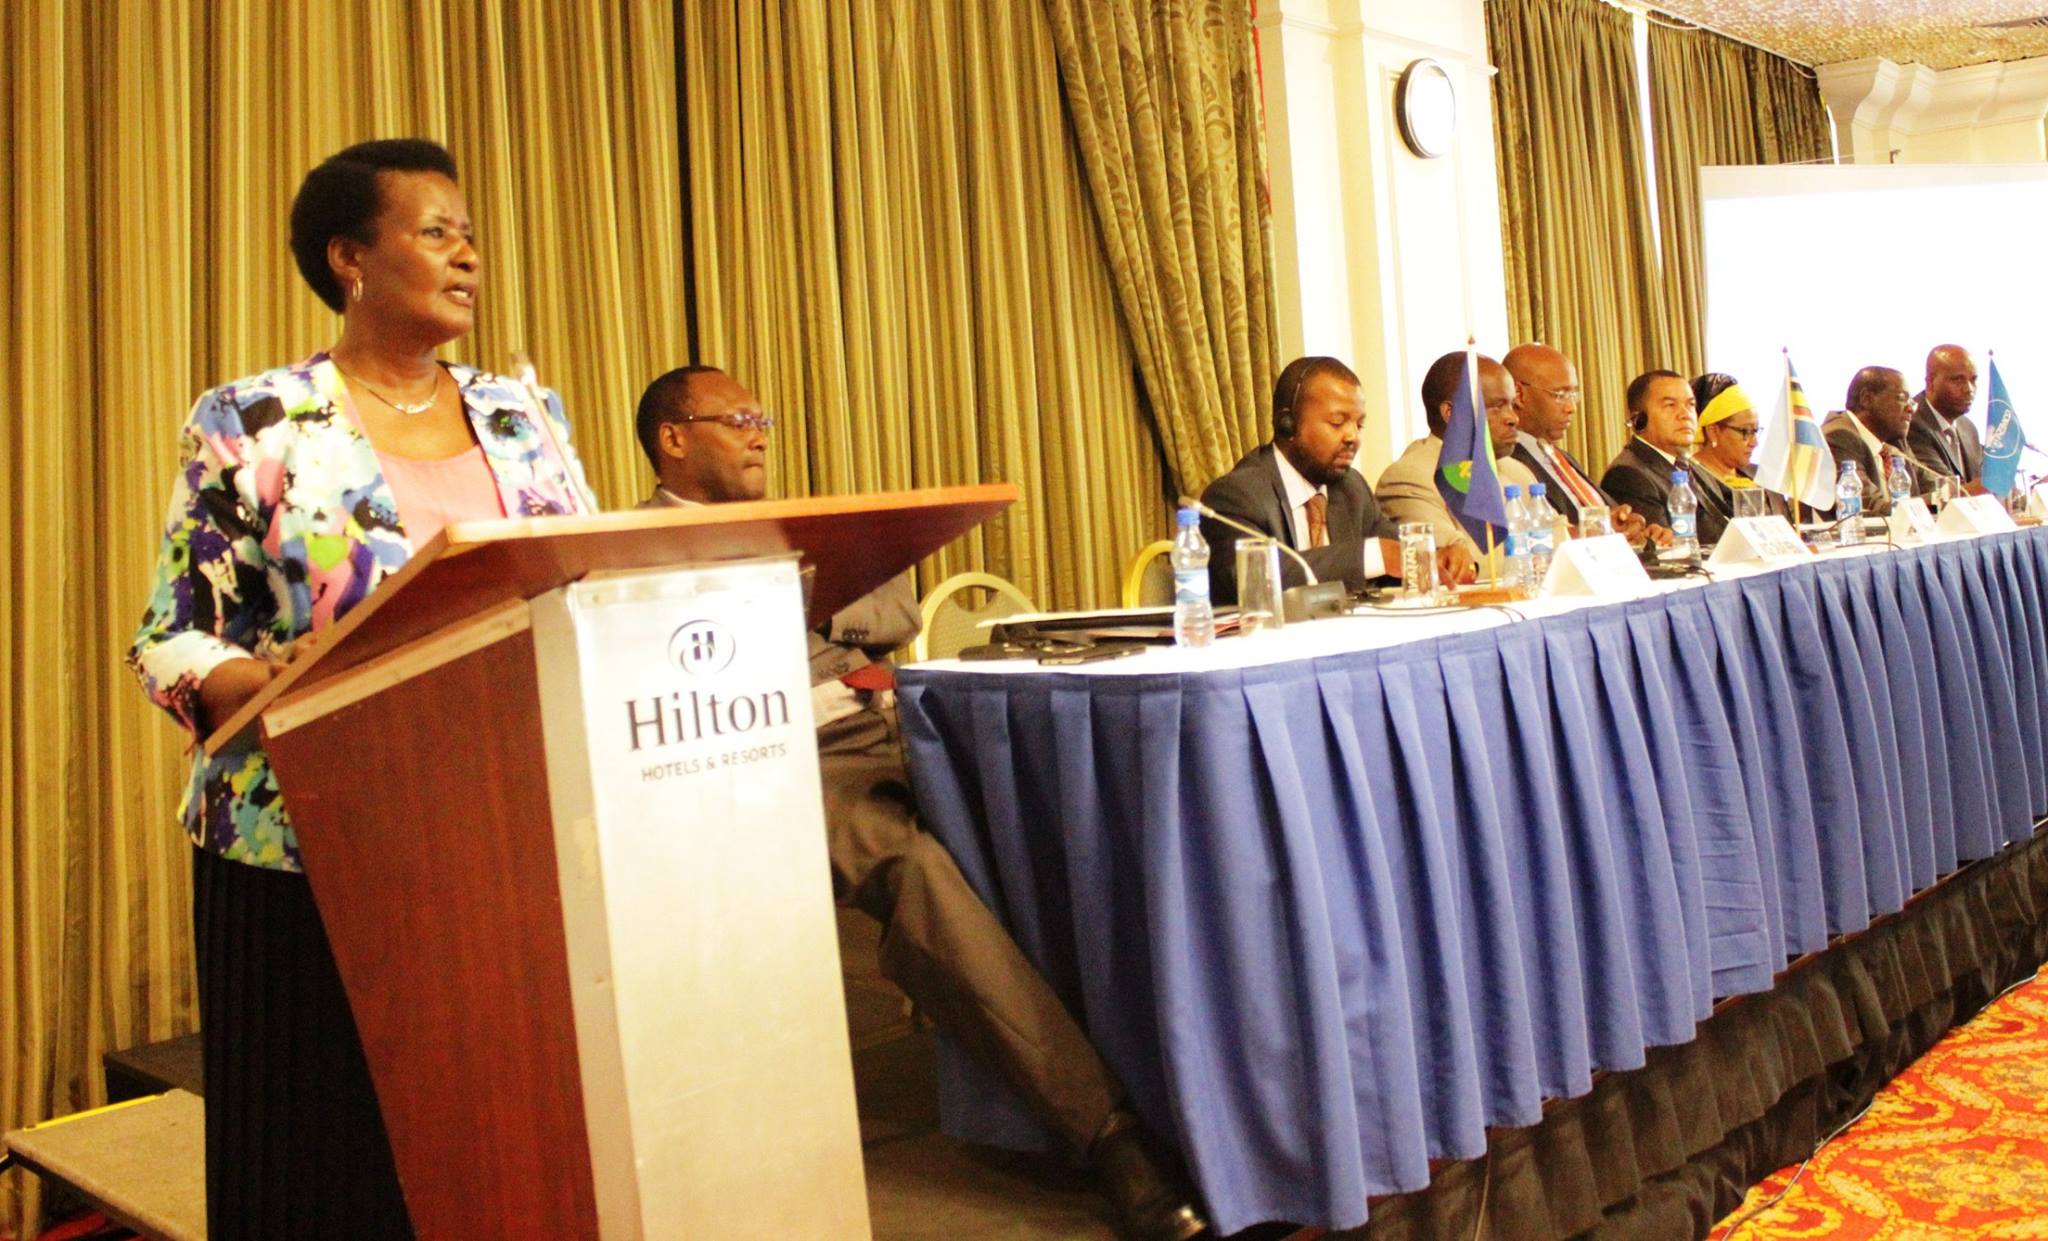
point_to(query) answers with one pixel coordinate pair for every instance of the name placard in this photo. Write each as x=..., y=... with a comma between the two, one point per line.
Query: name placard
x=1975, y=515
x=1602, y=568
x=1759, y=540
x=1913, y=522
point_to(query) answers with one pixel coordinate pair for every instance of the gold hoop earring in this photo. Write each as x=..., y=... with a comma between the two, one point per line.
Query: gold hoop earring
x=355, y=291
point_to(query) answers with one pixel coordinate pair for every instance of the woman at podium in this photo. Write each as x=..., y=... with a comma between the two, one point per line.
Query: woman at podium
x=299, y=490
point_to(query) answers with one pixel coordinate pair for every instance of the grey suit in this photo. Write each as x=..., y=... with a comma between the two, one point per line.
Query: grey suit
x=940, y=943
x=1253, y=493
x=1963, y=461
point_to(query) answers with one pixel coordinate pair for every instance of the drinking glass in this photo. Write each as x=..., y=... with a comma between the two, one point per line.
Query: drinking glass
x=1418, y=560
x=1595, y=521
x=1258, y=586
x=1748, y=501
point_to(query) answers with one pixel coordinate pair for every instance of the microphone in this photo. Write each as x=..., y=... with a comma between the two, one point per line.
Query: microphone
x=1241, y=528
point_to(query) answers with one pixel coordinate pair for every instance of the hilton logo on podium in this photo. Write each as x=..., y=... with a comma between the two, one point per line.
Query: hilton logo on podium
x=702, y=648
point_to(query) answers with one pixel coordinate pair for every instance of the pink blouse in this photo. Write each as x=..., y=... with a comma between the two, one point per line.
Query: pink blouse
x=433, y=494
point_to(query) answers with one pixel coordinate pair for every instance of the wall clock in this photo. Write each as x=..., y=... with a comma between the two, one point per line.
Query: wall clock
x=1427, y=106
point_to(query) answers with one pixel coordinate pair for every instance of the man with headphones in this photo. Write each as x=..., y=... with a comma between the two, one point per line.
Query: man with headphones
x=1301, y=490
x=1664, y=419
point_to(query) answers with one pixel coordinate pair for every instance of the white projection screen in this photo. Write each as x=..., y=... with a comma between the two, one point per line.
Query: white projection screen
x=1851, y=266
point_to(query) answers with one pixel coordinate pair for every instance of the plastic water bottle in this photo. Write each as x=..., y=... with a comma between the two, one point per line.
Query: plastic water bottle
x=1517, y=571
x=1684, y=508
x=1542, y=535
x=1849, y=505
x=1899, y=481
x=1194, y=621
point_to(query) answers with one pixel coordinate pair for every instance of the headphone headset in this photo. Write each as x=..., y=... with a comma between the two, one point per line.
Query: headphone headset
x=1284, y=418
x=1638, y=421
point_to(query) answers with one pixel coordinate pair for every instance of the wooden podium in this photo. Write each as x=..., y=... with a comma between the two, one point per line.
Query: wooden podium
x=555, y=785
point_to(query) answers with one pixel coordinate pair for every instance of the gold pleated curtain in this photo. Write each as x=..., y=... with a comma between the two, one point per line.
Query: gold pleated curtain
x=153, y=150
x=1716, y=101
x=1581, y=256
x=890, y=244
x=1165, y=105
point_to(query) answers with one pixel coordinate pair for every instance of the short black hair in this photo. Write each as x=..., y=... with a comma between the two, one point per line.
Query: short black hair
x=1440, y=384
x=1287, y=390
x=1867, y=382
x=1708, y=386
x=665, y=400
x=340, y=199
x=1639, y=388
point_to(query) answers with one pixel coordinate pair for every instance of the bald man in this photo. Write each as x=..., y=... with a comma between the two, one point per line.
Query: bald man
x=1940, y=436
x=1546, y=398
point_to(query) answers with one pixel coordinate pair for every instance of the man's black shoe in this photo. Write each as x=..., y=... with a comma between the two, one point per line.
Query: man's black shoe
x=1144, y=1182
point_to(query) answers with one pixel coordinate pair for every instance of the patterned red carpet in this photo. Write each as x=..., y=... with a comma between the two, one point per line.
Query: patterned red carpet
x=1954, y=1147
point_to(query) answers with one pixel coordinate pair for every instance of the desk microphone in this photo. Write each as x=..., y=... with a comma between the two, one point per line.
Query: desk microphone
x=1313, y=599
x=1241, y=528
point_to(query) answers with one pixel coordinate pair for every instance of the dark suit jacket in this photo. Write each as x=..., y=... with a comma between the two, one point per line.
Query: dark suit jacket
x=1848, y=444
x=1717, y=502
x=1924, y=441
x=1253, y=494
x=1554, y=490
x=1640, y=477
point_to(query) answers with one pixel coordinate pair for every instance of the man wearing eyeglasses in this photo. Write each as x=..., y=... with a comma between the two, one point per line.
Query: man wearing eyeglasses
x=707, y=439
x=1872, y=431
x=1546, y=398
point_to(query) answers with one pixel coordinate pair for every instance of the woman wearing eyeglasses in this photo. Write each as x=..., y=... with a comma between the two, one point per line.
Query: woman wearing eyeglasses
x=300, y=489
x=1728, y=430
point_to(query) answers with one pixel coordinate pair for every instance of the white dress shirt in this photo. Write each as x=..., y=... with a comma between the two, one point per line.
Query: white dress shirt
x=1298, y=490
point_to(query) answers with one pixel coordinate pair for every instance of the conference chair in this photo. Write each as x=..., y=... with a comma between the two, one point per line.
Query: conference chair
x=1148, y=583
x=952, y=619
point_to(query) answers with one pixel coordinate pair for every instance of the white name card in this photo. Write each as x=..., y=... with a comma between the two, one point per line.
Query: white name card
x=1913, y=522
x=1602, y=568
x=1975, y=515
x=1759, y=540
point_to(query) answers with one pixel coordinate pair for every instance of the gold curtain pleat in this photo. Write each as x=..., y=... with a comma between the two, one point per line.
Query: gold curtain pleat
x=1716, y=101
x=152, y=153
x=891, y=246
x=1581, y=256
x=1165, y=108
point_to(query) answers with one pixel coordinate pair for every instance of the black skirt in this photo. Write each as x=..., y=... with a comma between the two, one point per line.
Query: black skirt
x=295, y=1144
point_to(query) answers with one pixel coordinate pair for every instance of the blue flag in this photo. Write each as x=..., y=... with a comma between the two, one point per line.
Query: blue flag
x=2003, y=439
x=1465, y=476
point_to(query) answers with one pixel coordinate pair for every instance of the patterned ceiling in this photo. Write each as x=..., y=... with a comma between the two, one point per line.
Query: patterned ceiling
x=1940, y=34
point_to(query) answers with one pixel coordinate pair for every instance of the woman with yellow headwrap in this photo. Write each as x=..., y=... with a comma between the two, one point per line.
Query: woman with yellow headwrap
x=1728, y=431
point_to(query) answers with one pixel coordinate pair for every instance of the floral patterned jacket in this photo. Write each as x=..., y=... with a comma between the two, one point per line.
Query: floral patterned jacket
x=279, y=523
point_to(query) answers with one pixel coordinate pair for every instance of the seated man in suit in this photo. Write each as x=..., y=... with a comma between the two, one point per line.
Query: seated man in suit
x=1939, y=435
x=1407, y=490
x=1872, y=431
x=1546, y=397
x=707, y=439
x=1664, y=419
x=1301, y=490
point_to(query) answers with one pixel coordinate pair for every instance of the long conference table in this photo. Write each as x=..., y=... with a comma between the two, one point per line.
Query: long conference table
x=1333, y=901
